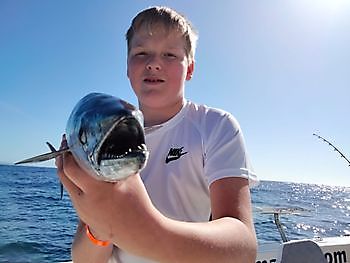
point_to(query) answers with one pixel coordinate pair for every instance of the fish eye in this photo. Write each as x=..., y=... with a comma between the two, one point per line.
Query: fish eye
x=82, y=137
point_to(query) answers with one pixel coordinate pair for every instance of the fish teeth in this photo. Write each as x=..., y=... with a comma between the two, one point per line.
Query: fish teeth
x=109, y=156
x=142, y=147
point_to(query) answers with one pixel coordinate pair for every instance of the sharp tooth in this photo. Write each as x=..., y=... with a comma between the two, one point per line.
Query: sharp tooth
x=141, y=147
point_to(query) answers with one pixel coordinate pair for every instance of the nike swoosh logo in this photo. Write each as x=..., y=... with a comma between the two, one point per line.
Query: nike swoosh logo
x=174, y=154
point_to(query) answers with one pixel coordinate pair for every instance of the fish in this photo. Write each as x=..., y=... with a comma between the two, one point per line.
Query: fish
x=105, y=135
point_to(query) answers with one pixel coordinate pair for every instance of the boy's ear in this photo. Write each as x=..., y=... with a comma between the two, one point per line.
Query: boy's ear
x=190, y=70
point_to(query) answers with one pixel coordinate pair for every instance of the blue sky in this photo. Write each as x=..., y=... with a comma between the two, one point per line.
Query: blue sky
x=282, y=68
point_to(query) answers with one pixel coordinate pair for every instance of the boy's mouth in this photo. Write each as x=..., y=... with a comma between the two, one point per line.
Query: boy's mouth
x=153, y=80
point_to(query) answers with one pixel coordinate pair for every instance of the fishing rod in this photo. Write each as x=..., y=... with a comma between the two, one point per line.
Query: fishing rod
x=335, y=148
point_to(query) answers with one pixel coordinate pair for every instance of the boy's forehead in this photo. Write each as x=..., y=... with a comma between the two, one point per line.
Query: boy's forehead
x=158, y=29
x=144, y=34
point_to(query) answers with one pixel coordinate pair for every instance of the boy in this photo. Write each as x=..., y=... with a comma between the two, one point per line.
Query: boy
x=197, y=167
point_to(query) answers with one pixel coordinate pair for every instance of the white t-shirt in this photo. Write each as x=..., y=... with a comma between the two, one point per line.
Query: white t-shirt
x=187, y=153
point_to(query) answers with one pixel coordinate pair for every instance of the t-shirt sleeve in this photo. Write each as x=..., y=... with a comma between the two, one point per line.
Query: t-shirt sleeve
x=225, y=152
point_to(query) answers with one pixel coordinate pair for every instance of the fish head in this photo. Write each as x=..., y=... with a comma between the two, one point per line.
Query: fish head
x=106, y=137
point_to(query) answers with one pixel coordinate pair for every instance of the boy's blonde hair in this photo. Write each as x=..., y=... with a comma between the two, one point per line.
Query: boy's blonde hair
x=170, y=20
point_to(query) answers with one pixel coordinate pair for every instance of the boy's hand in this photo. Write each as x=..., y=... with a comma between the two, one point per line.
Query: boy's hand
x=112, y=210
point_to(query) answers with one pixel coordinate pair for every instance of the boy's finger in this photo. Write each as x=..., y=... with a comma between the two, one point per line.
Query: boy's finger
x=67, y=167
x=59, y=159
x=72, y=170
x=67, y=183
x=71, y=188
x=64, y=143
x=75, y=173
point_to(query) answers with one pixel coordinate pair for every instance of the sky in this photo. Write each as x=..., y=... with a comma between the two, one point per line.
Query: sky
x=282, y=68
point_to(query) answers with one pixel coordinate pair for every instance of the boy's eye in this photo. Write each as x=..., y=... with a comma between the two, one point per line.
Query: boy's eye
x=141, y=53
x=170, y=55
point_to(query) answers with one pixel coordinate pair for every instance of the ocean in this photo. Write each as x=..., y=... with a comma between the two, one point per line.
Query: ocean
x=37, y=226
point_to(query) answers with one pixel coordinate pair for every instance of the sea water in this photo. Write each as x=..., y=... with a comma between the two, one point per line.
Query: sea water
x=37, y=226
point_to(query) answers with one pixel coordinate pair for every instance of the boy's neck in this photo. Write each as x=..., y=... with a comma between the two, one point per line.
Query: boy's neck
x=156, y=116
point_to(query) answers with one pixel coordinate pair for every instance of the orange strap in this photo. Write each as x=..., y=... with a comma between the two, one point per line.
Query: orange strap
x=94, y=240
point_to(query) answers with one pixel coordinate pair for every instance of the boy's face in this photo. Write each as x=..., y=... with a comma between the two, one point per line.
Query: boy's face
x=158, y=67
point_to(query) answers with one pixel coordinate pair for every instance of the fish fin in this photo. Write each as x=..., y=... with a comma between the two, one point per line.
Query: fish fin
x=44, y=157
x=52, y=148
x=61, y=190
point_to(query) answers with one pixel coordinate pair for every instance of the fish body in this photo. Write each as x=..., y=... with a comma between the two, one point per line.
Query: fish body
x=106, y=137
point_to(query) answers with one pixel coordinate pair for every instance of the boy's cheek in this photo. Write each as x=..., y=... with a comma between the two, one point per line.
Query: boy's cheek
x=132, y=66
x=131, y=69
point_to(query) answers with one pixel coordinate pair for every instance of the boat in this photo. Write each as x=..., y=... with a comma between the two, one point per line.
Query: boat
x=315, y=250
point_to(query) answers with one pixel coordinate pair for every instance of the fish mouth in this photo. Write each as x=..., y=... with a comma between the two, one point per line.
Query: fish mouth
x=124, y=140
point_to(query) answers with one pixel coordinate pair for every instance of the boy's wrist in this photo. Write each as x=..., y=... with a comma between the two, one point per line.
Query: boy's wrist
x=93, y=238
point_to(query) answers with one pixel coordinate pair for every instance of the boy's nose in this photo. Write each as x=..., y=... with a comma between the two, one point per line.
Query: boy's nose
x=153, y=67
x=153, y=64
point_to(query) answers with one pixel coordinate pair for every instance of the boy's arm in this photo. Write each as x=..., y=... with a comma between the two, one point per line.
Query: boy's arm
x=124, y=214
x=231, y=200
x=230, y=237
